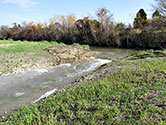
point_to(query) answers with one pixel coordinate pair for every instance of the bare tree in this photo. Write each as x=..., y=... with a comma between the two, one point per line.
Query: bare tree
x=104, y=17
x=161, y=6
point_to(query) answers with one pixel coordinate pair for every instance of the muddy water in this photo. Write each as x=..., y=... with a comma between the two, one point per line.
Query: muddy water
x=112, y=53
x=31, y=86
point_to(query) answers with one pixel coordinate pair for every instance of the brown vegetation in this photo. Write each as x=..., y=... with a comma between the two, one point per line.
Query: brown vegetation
x=99, y=31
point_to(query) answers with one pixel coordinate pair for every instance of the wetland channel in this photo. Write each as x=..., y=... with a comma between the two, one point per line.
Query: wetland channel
x=29, y=87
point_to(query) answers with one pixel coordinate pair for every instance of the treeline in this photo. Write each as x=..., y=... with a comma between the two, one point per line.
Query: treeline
x=99, y=31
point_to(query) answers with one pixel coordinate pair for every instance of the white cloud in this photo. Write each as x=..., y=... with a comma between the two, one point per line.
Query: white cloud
x=22, y=3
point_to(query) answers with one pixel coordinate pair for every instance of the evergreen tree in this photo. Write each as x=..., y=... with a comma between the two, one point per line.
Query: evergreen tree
x=140, y=19
x=141, y=14
x=156, y=14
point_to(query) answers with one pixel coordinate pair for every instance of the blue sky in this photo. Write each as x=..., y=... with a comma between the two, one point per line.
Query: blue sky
x=41, y=10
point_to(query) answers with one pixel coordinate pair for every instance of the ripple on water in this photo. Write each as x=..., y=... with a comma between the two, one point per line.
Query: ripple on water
x=19, y=94
x=45, y=95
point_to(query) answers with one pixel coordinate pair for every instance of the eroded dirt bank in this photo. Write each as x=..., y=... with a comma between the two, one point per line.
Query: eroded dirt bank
x=70, y=54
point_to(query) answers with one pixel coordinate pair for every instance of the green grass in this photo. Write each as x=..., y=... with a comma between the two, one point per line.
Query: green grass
x=77, y=44
x=134, y=95
x=146, y=54
x=25, y=46
x=7, y=42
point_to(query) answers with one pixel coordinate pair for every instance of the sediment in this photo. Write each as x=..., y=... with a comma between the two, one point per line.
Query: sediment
x=70, y=54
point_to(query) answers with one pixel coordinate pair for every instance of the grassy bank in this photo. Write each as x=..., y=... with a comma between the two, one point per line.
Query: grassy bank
x=17, y=56
x=134, y=95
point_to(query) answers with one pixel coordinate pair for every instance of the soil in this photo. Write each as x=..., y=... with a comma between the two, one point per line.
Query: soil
x=70, y=54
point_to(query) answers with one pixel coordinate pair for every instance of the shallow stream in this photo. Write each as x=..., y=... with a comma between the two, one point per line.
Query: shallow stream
x=31, y=86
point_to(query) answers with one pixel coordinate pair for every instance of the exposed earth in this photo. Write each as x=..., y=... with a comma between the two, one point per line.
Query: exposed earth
x=70, y=54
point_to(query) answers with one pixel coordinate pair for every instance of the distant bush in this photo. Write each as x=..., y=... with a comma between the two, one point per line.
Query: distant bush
x=4, y=32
